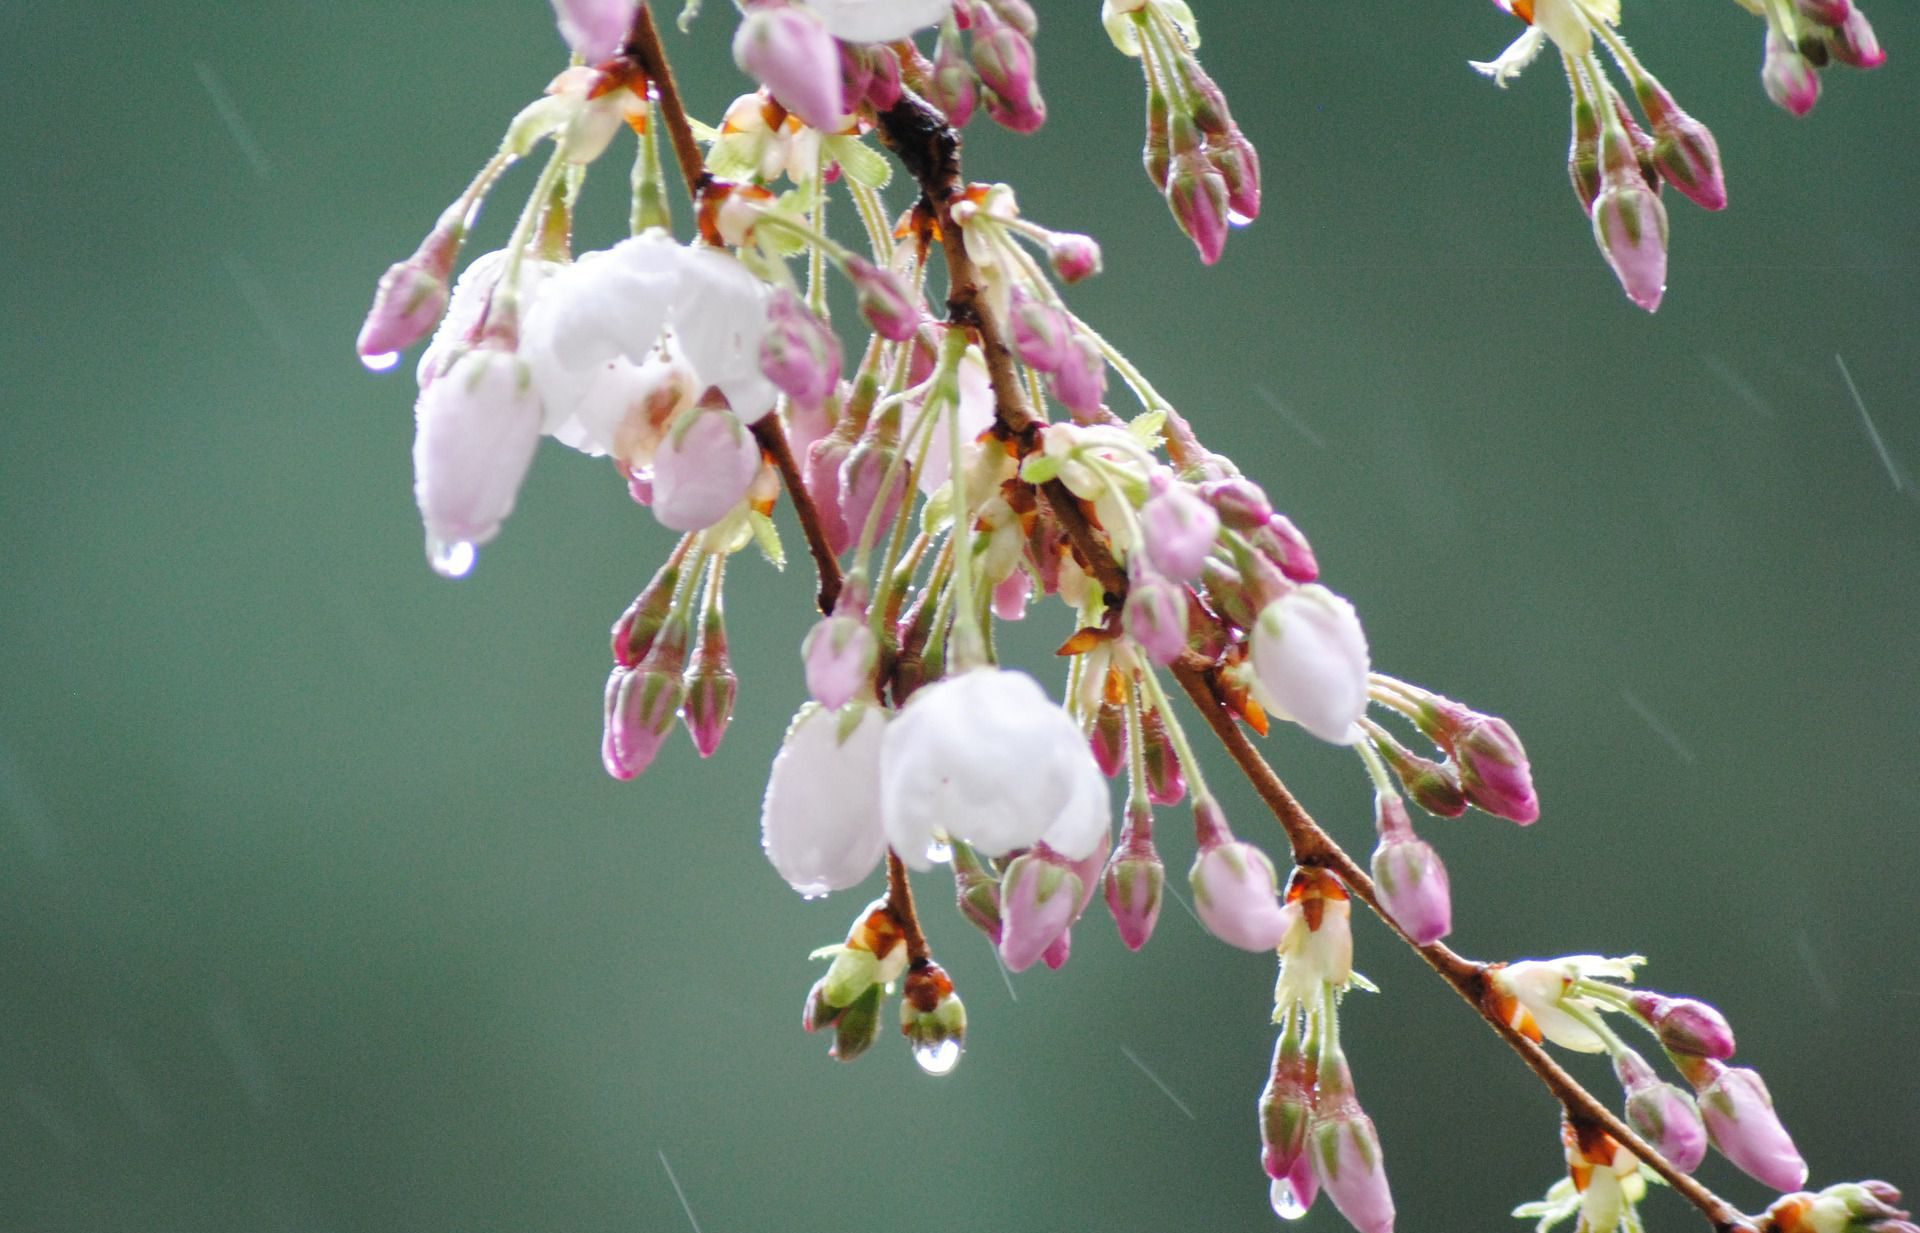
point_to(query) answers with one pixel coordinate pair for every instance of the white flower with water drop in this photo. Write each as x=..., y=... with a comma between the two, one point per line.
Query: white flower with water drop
x=1310, y=663
x=820, y=820
x=475, y=429
x=878, y=21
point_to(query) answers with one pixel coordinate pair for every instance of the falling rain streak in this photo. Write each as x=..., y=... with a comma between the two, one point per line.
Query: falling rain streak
x=1873, y=433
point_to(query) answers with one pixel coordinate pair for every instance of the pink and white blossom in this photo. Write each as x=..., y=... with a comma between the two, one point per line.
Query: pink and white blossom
x=475, y=429
x=703, y=469
x=820, y=818
x=1310, y=663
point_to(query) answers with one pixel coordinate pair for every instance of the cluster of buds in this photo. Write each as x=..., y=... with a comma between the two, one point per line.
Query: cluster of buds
x=1616, y=164
x=1195, y=155
x=1566, y=1000
x=1850, y=1207
x=1805, y=36
x=990, y=65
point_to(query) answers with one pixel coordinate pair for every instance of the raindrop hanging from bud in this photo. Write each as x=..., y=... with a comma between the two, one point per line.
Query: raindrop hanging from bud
x=451, y=558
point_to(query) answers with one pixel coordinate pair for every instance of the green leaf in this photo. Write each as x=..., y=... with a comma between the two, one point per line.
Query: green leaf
x=862, y=163
x=1039, y=468
x=767, y=536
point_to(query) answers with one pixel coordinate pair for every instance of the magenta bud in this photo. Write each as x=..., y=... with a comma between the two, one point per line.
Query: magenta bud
x=1080, y=383
x=1179, y=528
x=1686, y=1025
x=864, y=473
x=634, y=631
x=1630, y=226
x=884, y=300
x=1789, y=79
x=1109, y=739
x=1003, y=57
x=1740, y=1120
x=1057, y=952
x=953, y=87
x=1135, y=884
x=1854, y=43
x=1684, y=151
x=1197, y=194
x=1292, y=1195
x=1434, y=786
x=1038, y=332
x=1348, y=1162
x=1583, y=153
x=594, y=29
x=1239, y=502
x=825, y=458
x=641, y=705
x=1286, y=1105
x=1166, y=785
x=1409, y=876
x=1662, y=1113
x=1074, y=257
x=1155, y=615
x=1824, y=12
x=787, y=49
x=1023, y=115
x=1239, y=165
x=840, y=653
x=798, y=353
x=1282, y=543
x=1235, y=896
x=710, y=694
x=1039, y=897
x=407, y=304
x=1494, y=771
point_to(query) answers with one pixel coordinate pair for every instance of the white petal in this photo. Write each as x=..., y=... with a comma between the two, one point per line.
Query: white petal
x=719, y=319
x=878, y=21
x=475, y=431
x=1518, y=55
x=820, y=820
x=976, y=416
x=1310, y=663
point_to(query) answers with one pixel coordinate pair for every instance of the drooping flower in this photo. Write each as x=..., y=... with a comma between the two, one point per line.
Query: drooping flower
x=475, y=429
x=1310, y=663
x=878, y=21
x=1540, y=997
x=789, y=49
x=593, y=28
x=985, y=756
x=820, y=819
x=703, y=469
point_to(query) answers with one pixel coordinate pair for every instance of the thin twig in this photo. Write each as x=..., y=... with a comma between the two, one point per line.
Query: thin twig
x=900, y=900
x=773, y=439
x=645, y=49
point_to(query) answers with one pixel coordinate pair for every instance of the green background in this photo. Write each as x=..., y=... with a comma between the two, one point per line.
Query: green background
x=317, y=912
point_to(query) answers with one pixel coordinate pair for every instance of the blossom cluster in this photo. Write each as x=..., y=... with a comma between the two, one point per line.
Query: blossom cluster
x=965, y=468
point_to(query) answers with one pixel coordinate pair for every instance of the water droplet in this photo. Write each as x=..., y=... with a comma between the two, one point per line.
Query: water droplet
x=939, y=1057
x=1237, y=219
x=812, y=895
x=1286, y=1204
x=380, y=361
x=451, y=559
x=939, y=851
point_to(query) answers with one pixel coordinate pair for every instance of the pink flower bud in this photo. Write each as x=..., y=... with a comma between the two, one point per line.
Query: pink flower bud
x=1824, y=12
x=1080, y=383
x=1156, y=616
x=1789, y=79
x=1239, y=166
x=1494, y=771
x=825, y=458
x=953, y=87
x=1661, y=1112
x=408, y=303
x=1583, y=152
x=710, y=686
x=1010, y=595
x=1074, y=257
x=865, y=471
x=1286, y=1105
x=1197, y=194
x=1685, y=1025
x=1239, y=502
x=1291, y=1196
x=1854, y=43
x=1236, y=896
x=1157, y=154
x=787, y=48
x=1408, y=875
x=1038, y=332
x=1179, y=529
x=1166, y=785
x=1630, y=226
x=1135, y=882
x=1282, y=543
x=799, y=353
x=1433, y=786
x=641, y=705
x=475, y=429
x=634, y=631
x=1684, y=150
x=1347, y=1160
x=1738, y=1111
x=1003, y=57
x=1039, y=897
x=883, y=87
x=840, y=653
x=1057, y=953
x=594, y=29
x=1109, y=739
x=884, y=300
x=1310, y=663
x=703, y=469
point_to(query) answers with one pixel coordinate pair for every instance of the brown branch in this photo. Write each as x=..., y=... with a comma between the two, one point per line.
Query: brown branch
x=900, y=901
x=773, y=439
x=644, y=48
x=1313, y=846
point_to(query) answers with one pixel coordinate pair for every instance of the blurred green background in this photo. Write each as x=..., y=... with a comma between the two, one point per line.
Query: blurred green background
x=317, y=912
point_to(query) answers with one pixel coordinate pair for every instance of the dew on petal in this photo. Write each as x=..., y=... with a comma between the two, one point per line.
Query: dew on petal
x=939, y=1057
x=380, y=361
x=1286, y=1204
x=1237, y=219
x=451, y=559
x=939, y=851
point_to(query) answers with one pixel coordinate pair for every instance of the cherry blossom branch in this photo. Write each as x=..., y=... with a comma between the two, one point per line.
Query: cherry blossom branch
x=920, y=136
x=773, y=440
x=900, y=900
